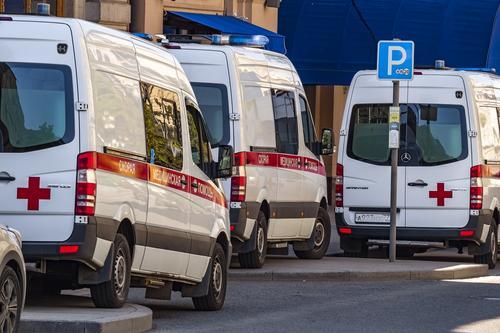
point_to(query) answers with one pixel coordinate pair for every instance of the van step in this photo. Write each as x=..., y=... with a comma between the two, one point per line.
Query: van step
x=278, y=248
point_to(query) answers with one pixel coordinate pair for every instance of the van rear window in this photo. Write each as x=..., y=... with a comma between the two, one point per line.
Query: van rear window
x=36, y=106
x=433, y=134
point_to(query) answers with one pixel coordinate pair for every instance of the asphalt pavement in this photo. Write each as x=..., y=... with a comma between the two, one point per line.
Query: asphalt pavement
x=415, y=306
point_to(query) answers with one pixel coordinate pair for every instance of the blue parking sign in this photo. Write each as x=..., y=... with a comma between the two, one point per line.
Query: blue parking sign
x=395, y=60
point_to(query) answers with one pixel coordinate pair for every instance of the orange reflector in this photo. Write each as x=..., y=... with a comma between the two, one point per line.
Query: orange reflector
x=68, y=249
x=345, y=231
x=466, y=233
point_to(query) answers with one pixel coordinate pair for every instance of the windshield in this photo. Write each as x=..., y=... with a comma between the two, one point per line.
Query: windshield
x=36, y=106
x=433, y=134
x=213, y=102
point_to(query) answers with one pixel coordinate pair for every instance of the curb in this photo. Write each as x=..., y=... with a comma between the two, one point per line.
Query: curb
x=448, y=273
x=132, y=318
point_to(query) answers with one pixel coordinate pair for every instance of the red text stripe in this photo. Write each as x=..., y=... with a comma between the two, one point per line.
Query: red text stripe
x=277, y=160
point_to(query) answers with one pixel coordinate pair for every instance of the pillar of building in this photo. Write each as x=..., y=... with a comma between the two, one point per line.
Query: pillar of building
x=258, y=12
x=112, y=13
x=147, y=16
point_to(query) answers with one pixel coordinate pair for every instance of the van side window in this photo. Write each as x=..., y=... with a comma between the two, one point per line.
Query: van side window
x=490, y=134
x=162, y=119
x=200, y=144
x=285, y=122
x=307, y=123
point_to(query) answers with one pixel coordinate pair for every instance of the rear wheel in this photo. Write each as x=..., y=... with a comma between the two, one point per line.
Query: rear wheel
x=10, y=301
x=214, y=300
x=321, y=236
x=490, y=258
x=113, y=293
x=256, y=258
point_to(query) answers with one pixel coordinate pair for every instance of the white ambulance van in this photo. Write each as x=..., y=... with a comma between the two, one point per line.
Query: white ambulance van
x=253, y=100
x=105, y=164
x=449, y=163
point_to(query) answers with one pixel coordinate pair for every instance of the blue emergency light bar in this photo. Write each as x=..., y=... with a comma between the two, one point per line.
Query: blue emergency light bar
x=484, y=70
x=240, y=40
x=143, y=36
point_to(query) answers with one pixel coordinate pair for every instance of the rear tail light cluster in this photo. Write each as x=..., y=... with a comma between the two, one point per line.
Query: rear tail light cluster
x=86, y=184
x=339, y=186
x=476, y=187
x=239, y=179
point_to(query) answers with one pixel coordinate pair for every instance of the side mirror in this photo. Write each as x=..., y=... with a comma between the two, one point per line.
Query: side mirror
x=226, y=161
x=327, y=142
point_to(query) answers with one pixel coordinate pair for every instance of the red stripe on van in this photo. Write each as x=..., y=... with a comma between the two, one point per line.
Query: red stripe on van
x=160, y=176
x=277, y=160
x=122, y=166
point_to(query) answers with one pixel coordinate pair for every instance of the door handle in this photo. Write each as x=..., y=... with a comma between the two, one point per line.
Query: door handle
x=418, y=182
x=5, y=177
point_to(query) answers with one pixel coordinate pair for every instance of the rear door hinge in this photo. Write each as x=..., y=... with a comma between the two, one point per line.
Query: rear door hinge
x=80, y=106
x=234, y=116
x=472, y=133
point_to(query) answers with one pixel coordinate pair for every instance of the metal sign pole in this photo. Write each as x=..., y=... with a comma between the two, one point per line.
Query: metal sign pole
x=394, y=138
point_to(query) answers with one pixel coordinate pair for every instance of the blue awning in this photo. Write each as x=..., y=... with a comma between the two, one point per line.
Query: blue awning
x=330, y=40
x=234, y=25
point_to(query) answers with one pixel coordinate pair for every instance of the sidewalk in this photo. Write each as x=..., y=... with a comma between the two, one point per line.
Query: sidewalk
x=356, y=269
x=77, y=314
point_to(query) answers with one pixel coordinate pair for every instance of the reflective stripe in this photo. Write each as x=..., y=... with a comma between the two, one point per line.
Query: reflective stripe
x=160, y=176
x=283, y=161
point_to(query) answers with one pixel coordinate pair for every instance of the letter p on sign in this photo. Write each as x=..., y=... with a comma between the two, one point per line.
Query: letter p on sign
x=395, y=60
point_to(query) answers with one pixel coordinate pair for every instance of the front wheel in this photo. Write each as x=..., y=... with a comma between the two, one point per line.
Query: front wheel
x=214, y=300
x=114, y=293
x=321, y=236
x=256, y=258
x=490, y=258
x=10, y=301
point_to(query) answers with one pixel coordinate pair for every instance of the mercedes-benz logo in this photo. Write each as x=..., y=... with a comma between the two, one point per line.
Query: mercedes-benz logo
x=405, y=157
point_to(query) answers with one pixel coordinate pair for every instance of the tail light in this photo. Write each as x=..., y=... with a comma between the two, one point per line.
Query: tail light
x=239, y=179
x=476, y=187
x=339, y=186
x=86, y=184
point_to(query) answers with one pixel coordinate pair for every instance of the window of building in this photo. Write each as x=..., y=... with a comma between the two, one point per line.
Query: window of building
x=307, y=123
x=285, y=122
x=162, y=119
x=200, y=145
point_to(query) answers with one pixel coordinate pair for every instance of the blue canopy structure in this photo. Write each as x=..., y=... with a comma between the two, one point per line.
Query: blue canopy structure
x=330, y=40
x=226, y=25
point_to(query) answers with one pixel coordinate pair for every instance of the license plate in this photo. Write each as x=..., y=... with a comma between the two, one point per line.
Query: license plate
x=372, y=218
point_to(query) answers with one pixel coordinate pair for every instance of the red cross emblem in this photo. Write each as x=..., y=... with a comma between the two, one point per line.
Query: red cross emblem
x=34, y=193
x=440, y=194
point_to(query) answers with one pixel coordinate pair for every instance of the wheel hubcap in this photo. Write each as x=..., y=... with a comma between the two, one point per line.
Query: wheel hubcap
x=493, y=246
x=8, y=306
x=120, y=272
x=217, y=277
x=319, y=234
x=260, y=240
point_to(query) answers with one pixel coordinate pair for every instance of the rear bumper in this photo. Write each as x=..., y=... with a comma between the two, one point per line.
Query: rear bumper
x=479, y=224
x=84, y=236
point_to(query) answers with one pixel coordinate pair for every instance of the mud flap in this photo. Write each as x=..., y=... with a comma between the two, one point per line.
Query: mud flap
x=306, y=245
x=200, y=289
x=250, y=244
x=88, y=276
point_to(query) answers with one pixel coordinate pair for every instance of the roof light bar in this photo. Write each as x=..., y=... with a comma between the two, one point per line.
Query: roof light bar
x=485, y=70
x=143, y=36
x=240, y=40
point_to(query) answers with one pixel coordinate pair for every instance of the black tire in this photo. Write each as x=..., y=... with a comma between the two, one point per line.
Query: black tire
x=321, y=234
x=214, y=300
x=114, y=293
x=490, y=258
x=10, y=301
x=257, y=257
